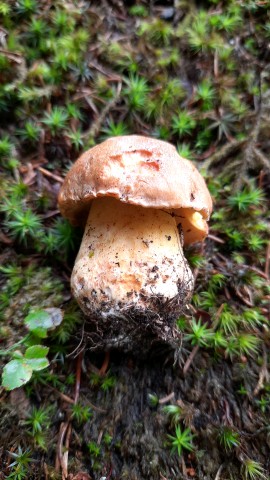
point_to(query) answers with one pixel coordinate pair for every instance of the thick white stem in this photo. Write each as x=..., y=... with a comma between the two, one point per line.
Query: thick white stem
x=128, y=256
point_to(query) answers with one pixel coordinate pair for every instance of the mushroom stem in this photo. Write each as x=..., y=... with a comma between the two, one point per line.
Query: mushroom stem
x=130, y=256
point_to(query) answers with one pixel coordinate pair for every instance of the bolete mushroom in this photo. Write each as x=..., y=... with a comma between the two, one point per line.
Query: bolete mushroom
x=139, y=201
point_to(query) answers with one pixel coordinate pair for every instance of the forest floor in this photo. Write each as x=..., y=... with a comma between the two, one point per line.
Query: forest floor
x=196, y=74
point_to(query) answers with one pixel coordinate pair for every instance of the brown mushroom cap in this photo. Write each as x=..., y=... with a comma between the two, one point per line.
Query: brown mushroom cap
x=141, y=171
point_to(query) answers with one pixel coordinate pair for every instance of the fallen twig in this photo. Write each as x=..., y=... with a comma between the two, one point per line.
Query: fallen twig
x=166, y=399
x=104, y=367
x=263, y=375
x=267, y=262
x=60, y=441
x=224, y=152
x=50, y=175
x=78, y=377
x=95, y=128
x=14, y=56
x=162, y=476
x=64, y=456
x=190, y=359
x=258, y=271
x=262, y=159
x=66, y=428
x=219, y=472
x=215, y=239
x=64, y=397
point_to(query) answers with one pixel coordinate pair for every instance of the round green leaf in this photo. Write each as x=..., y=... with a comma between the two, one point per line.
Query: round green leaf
x=35, y=357
x=15, y=374
x=37, y=363
x=40, y=321
x=36, y=351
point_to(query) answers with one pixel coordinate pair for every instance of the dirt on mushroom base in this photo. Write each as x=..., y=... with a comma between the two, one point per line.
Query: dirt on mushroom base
x=133, y=328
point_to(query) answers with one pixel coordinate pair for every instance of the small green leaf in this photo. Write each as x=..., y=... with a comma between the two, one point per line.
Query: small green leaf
x=40, y=321
x=15, y=374
x=37, y=363
x=35, y=357
x=36, y=351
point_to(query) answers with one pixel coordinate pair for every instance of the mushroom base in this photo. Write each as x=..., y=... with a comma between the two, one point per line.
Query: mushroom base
x=135, y=328
x=131, y=278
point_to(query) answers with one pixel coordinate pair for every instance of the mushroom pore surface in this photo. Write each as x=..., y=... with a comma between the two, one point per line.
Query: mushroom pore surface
x=130, y=260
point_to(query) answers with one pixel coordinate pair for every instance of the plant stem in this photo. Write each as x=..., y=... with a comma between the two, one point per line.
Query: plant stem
x=4, y=353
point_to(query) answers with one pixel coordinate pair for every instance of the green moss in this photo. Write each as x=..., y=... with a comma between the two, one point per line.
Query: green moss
x=28, y=288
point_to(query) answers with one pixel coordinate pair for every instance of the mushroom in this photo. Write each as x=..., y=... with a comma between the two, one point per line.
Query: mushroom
x=140, y=202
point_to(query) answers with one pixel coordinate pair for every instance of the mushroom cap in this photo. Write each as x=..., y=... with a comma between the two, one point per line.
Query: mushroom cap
x=141, y=171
